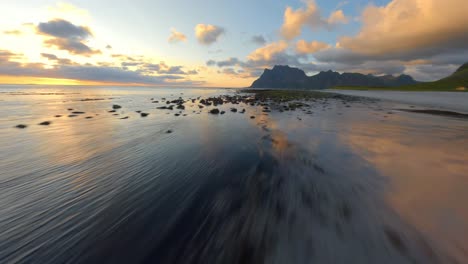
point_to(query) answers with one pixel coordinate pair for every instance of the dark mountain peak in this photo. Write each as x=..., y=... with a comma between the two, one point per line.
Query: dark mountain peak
x=283, y=76
x=406, y=77
x=328, y=73
x=282, y=67
x=285, y=69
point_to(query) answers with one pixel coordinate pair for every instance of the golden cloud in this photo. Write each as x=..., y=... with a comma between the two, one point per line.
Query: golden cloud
x=294, y=20
x=410, y=25
x=208, y=34
x=304, y=47
x=176, y=36
x=267, y=52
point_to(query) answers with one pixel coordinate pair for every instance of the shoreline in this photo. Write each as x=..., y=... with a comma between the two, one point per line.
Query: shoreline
x=452, y=101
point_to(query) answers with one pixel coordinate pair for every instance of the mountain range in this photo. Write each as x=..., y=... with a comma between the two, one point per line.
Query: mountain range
x=285, y=77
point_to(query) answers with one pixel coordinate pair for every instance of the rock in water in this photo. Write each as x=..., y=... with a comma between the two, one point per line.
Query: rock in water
x=21, y=126
x=214, y=111
x=45, y=123
x=116, y=106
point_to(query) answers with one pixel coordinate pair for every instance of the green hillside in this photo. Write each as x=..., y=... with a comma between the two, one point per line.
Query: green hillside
x=458, y=81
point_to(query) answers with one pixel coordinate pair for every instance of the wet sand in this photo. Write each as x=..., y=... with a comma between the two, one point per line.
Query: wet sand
x=330, y=179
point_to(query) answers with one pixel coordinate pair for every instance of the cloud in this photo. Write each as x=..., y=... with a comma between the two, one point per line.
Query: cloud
x=430, y=72
x=337, y=17
x=259, y=40
x=172, y=70
x=108, y=47
x=409, y=29
x=208, y=34
x=6, y=56
x=295, y=20
x=162, y=68
x=87, y=72
x=176, y=36
x=63, y=29
x=211, y=63
x=64, y=35
x=49, y=56
x=410, y=36
x=72, y=46
x=12, y=32
x=130, y=64
x=304, y=47
x=275, y=53
x=54, y=58
x=227, y=63
x=267, y=52
x=124, y=57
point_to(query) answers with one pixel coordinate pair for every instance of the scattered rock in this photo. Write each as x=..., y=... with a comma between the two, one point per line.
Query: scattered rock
x=21, y=126
x=138, y=111
x=116, y=106
x=58, y=115
x=70, y=109
x=181, y=107
x=112, y=111
x=177, y=114
x=168, y=131
x=72, y=115
x=144, y=114
x=77, y=112
x=45, y=123
x=88, y=117
x=222, y=112
x=125, y=117
x=234, y=110
x=252, y=117
x=214, y=111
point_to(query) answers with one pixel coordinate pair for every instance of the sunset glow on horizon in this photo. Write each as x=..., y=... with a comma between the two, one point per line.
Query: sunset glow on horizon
x=224, y=44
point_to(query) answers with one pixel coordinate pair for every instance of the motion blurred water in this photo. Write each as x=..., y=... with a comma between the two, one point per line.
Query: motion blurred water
x=349, y=183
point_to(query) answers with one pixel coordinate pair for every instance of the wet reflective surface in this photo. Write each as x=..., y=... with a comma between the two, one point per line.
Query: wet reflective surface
x=354, y=182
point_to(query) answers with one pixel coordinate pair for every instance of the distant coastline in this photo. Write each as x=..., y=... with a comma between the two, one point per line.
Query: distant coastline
x=285, y=77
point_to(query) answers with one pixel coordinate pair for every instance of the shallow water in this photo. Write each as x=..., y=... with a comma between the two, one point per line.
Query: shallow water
x=352, y=182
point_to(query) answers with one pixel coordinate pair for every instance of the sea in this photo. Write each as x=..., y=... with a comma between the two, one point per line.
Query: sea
x=339, y=182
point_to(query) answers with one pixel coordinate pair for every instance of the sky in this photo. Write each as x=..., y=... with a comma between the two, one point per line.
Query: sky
x=220, y=43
